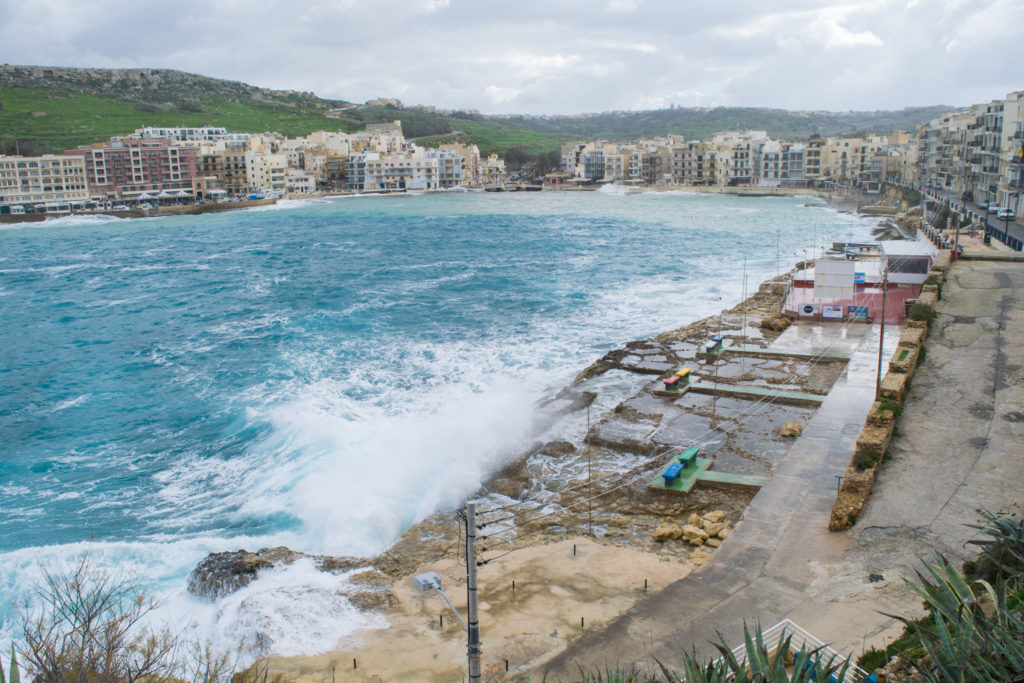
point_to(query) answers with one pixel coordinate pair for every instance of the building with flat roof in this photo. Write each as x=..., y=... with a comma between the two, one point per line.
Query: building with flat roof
x=50, y=179
x=127, y=168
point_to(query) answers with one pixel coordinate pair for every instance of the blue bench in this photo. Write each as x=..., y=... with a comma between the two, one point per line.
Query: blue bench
x=671, y=473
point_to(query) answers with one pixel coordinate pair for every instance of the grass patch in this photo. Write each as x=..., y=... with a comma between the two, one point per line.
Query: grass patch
x=865, y=460
x=892, y=405
x=922, y=312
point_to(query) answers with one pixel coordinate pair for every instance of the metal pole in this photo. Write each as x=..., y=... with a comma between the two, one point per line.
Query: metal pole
x=956, y=242
x=590, y=496
x=881, y=334
x=473, y=632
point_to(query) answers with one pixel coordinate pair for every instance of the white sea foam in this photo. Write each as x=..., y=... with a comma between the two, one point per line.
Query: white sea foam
x=80, y=219
x=354, y=451
x=70, y=403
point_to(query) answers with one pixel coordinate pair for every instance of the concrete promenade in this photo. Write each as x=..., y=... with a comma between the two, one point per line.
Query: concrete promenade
x=958, y=449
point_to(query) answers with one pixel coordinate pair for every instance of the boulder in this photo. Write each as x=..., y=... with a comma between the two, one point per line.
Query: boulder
x=693, y=519
x=715, y=516
x=776, y=323
x=666, y=532
x=791, y=429
x=221, y=574
x=557, y=449
x=713, y=528
x=724, y=533
x=714, y=542
x=694, y=535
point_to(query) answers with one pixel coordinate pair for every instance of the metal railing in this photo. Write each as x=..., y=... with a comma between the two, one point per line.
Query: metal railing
x=800, y=639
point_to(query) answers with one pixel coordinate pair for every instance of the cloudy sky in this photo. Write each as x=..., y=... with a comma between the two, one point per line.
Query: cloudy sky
x=551, y=56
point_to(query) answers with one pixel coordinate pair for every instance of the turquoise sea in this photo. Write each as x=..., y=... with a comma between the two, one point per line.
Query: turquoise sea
x=322, y=374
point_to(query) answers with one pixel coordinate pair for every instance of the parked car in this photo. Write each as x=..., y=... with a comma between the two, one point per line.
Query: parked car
x=119, y=207
x=993, y=207
x=1005, y=214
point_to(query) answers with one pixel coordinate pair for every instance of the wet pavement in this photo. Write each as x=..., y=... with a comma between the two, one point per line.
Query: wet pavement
x=958, y=449
x=776, y=554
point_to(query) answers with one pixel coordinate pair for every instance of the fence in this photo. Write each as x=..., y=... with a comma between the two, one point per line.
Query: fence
x=800, y=639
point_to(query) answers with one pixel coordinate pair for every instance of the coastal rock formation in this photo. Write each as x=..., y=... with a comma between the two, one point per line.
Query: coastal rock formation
x=776, y=323
x=557, y=449
x=221, y=574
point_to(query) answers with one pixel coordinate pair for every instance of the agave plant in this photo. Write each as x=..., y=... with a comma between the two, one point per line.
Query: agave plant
x=762, y=666
x=1003, y=543
x=15, y=675
x=976, y=630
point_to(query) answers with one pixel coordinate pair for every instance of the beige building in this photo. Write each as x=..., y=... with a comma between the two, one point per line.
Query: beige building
x=49, y=179
x=472, y=175
x=492, y=170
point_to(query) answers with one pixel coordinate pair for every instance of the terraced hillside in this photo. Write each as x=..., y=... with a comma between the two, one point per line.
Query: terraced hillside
x=50, y=109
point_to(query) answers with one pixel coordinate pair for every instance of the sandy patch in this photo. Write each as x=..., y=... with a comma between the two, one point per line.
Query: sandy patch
x=554, y=589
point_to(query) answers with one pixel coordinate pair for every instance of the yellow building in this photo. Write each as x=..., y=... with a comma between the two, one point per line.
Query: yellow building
x=50, y=179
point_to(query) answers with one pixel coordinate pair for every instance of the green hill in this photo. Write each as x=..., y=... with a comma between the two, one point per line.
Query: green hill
x=50, y=109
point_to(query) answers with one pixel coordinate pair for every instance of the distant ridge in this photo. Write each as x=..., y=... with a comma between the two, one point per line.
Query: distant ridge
x=50, y=109
x=142, y=85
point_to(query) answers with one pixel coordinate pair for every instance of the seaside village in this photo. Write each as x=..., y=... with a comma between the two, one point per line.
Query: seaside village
x=972, y=155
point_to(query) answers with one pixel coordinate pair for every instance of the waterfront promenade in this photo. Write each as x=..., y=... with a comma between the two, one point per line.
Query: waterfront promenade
x=956, y=452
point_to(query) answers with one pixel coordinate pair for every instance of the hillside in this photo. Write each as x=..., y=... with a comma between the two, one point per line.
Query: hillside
x=50, y=109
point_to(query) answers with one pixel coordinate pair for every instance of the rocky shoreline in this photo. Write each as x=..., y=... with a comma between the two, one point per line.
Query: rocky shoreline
x=626, y=446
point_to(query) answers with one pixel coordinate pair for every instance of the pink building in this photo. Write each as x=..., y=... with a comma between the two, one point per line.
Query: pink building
x=850, y=288
x=125, y=168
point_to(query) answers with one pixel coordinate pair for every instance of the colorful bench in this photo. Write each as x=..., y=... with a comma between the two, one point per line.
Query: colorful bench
x=688, y=457
x=671, y=473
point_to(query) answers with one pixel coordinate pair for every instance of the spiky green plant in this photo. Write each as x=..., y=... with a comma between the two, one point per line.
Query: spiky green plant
x=760, y=664
x=15, y=673
x=974, y=634
x=1002, y=546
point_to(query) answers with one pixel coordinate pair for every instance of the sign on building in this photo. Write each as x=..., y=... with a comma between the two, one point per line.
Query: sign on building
x=856, y=312
x=832, y=312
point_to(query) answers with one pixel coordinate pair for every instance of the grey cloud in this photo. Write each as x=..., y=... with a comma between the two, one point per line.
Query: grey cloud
x=549, y=57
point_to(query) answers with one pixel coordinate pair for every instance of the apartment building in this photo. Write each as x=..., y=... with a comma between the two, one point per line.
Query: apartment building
x=50, y=179
x=266, y=171
x=471, y=169
x=125, y=168
x=227, y=163
x=976, y=153
x=492, y=170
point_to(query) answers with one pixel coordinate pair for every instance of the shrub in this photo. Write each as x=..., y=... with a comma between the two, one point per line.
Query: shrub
x=922, y=312
x=88, y=625
x=866, y=459
x=892, y=405
x=873, y=659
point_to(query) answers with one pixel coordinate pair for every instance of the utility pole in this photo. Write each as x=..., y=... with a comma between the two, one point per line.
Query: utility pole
x=881, y=334
x=590, y=495
x=473, y=631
